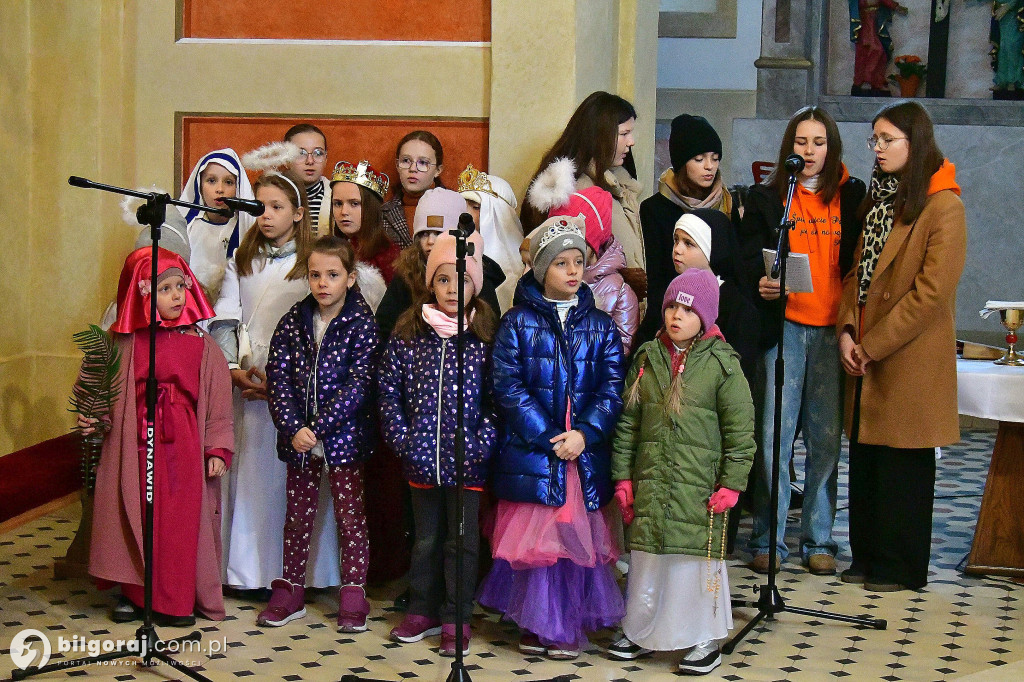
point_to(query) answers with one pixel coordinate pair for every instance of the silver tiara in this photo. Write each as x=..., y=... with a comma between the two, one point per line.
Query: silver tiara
x=560, y=228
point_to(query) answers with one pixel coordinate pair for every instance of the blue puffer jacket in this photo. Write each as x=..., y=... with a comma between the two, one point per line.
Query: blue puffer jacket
x=327, y=388
x=538, y=368
x=418, y=397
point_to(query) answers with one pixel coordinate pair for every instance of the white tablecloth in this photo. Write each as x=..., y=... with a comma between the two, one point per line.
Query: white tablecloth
x=990, y=391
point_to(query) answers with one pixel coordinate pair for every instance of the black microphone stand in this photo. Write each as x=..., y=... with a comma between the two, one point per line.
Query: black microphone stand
x=463, y=249
x=147, y=644
x=770, y=602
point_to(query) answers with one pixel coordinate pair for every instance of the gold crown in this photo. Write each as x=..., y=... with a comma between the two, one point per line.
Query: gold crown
x=364, y=175
x=472, y=180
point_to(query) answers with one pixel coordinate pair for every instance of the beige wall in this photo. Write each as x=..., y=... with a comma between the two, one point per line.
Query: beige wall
x=65, y=107
x=91, y=88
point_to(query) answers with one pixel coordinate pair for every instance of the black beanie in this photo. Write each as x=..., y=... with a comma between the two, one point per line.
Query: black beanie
x=691, y=136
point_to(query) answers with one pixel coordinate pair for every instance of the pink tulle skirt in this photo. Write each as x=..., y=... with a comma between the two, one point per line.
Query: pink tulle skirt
x=530, y=535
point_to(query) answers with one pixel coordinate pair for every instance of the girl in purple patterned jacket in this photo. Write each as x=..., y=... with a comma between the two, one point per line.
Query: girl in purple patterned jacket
x=418, y=403
x=320, y=375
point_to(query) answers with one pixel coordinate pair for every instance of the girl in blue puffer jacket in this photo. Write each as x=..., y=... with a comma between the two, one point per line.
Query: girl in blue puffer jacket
x=320, y=375
x=418, y=405
x=557, y=385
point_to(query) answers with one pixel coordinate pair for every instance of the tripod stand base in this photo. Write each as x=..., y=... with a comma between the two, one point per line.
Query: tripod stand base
x=149, y=648
x=770, y=602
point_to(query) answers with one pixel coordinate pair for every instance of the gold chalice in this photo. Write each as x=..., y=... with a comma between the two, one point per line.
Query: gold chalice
x=1012, y=319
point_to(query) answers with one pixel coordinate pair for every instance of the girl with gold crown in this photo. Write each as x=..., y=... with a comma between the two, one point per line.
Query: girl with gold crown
x=493, y=206
x=266, y=277
x=357, y=193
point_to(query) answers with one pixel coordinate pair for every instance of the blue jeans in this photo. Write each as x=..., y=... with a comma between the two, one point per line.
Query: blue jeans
x=812, y=391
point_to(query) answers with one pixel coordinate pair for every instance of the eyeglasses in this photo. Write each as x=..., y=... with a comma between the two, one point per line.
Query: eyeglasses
x=881, y=142
x=405, y=163
x=318, y=154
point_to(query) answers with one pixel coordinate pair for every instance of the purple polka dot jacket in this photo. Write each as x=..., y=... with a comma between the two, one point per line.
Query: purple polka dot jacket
x=329, y=387
x=418, y=396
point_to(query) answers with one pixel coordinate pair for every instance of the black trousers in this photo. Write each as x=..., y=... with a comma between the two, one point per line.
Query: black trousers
x=432, y=574
x=892, y=491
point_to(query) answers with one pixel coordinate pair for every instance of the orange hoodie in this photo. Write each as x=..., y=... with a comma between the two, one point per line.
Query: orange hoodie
x=817, y=233
x=944, y=178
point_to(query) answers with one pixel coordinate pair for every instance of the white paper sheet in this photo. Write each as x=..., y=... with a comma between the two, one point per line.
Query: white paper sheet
x=798, y=271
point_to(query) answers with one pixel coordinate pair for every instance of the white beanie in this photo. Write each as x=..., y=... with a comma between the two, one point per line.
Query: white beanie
x=699, y=231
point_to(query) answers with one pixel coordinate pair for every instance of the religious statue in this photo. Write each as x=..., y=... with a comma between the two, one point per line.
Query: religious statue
x=869, y=32
x=1007, y=36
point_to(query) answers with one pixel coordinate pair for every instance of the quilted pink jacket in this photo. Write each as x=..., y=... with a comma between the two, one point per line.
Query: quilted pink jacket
x=612, y=294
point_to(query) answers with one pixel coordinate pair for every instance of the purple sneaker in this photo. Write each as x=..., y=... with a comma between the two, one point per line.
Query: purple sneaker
x=414, y=628
x=448, y=646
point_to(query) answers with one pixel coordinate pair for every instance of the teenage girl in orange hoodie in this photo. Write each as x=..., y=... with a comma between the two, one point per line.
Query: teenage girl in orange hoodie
x=824, y=210
x=896, y=327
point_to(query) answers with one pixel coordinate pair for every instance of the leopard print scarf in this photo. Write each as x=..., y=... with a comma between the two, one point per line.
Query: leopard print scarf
x=877, y=225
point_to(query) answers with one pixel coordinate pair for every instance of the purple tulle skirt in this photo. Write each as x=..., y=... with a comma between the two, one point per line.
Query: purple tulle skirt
x=558, y=603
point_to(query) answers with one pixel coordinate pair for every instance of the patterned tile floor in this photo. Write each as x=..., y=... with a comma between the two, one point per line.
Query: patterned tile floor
x=959, y=627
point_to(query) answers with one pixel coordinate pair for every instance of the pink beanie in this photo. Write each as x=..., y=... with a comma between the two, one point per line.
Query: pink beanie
x=595, y=205
x=697, y=289
x=444, y=252
x=438, y=210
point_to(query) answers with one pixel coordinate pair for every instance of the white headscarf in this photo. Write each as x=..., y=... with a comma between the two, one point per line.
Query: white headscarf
x=502, y=233
x=191, y=192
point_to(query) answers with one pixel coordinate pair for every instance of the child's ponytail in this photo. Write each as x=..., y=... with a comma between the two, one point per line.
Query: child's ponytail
x=633, y=392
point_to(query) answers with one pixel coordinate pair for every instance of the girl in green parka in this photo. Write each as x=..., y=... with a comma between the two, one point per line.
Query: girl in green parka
x=682, y=450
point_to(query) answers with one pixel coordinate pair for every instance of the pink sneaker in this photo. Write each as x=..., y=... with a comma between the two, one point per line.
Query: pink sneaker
x=352, y=609
x=448, y=646
x=414, y=628
x=287, y=603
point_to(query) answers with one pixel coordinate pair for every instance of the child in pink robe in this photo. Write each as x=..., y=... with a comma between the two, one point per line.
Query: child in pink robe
x=194, y=443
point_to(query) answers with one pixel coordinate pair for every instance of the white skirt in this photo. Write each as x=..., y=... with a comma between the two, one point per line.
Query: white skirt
x=668, y=606
x=254, y=505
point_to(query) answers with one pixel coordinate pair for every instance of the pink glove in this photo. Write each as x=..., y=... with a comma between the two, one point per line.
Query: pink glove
x=723, y=499
x=624, y=498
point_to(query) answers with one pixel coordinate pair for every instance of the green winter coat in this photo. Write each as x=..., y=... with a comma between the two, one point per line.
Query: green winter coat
x=675, y=460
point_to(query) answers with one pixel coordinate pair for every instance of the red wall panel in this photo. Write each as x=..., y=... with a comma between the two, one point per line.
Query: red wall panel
x=455, y=20
x=464, y=141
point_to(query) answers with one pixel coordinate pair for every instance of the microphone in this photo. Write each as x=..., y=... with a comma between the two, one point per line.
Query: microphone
x=76, y=181
x=250, y=206
x=794, y=163
x=467, y=226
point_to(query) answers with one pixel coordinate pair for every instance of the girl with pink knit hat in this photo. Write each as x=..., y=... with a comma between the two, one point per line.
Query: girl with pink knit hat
x=419, y=405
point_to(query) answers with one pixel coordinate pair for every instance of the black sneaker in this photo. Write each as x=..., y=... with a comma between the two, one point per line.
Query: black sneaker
x=854, y=576
x=701, y=659
x=623, y=648
x=168, y=621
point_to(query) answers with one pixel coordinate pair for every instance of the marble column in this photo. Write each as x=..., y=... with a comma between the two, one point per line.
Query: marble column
x=791, y=66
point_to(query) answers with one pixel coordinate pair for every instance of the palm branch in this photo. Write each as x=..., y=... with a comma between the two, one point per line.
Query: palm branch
x=94, y=394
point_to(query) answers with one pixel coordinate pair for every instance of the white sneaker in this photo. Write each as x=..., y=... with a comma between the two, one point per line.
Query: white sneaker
x=701, y=659
x=625, y=649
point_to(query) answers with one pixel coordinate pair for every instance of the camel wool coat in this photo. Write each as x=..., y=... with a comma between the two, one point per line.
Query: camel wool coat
x=907, y=326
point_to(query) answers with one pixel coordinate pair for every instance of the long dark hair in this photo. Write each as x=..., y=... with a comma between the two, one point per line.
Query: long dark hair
x=411, y=324
x=831, y=171
x=924, y=160
x=590, y=136
x=371, y=239
x=397, y=192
